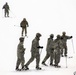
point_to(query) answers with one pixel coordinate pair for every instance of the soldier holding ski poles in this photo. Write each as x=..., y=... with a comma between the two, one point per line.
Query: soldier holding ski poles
x=35, y=52
x=24, y=25
x=6, y=9
x=49, y=50
x=64, y=40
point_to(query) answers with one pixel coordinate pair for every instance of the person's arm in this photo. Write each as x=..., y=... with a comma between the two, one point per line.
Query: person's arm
x=27, y=24
x=68, y=37
x=8, y=7
x=3, y=7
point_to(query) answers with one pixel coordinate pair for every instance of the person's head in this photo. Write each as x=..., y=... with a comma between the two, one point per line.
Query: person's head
x=21, y=39
x=52, y=36
x=58, y=37
x=38, y=35
x=6, y=3
x=63, y=33
x=24, y=19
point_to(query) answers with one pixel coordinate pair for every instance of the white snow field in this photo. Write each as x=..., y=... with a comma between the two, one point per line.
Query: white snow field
x=46, y=17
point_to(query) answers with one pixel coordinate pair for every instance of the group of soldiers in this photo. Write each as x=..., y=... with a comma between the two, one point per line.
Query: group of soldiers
x=56, y=48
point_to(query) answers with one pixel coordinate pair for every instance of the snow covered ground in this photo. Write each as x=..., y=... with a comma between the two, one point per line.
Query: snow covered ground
x=44, y=16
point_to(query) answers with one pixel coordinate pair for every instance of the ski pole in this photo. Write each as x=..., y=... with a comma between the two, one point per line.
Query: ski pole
x=12, y=13
x=66, y=62
x=73, y=46
x=40, y=51
x=2, y=12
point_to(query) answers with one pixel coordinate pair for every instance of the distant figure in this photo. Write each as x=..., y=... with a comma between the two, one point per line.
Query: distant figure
x=6, y=9
x=49, y=50
x=35, y=52
x=24, y=25
x=64, y=40
x=20, y=54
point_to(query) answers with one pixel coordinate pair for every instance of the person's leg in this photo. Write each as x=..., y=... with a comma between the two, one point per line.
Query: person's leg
x=7, y=13
x=51, y=58
x=65, y=53
x=25, y=31
x=22, y=31
x=46, y=57
x=37, y=61
x=30, y=60
x=22, y=62
x=18, y=63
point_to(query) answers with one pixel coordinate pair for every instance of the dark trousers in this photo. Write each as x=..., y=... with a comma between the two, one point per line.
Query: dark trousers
x=24, y=29
x=20, y=61
x=48, y=54
x=64, y=51
x=6, y=13
x=57, y=57
x=33, y=56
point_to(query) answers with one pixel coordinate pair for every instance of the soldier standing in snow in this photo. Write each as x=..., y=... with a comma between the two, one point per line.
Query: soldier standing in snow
x=24, y=25
x=6, y=9
x=49, y=50
x=57, y=50
x=35, y=52
x=20, y=54
x=64, y=40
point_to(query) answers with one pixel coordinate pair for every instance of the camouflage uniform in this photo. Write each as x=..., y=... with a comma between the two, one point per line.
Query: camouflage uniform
x=24, y=25
x=35, y=52
x=49, y=50
x=20, y=55
x=64, y=40
x=57, y=50
x=6, y=9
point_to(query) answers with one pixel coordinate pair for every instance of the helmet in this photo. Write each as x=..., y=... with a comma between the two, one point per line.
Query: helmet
x=6, y=3
x=52, y=35
x=58, y=36
x=38, y=35
x=24, y=19
x=21, y=39
x=63, y=32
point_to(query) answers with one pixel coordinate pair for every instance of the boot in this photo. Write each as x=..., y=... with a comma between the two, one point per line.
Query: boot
x=57, y=66
x=26, y=67
x=65, y=55
x=44, y=64
x=17, y=69
x=38, y=68
x=51, y=64
x=62, y=56
x=22, y=68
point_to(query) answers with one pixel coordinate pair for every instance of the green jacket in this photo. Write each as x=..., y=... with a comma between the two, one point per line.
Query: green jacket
x=20, y=50
x=35, y=45
x=50, y=44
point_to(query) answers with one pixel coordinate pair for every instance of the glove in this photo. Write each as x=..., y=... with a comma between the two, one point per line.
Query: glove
x=52, y=49
x=71, y=37
x=24, y=49
x=61, y=38
x=40, y=47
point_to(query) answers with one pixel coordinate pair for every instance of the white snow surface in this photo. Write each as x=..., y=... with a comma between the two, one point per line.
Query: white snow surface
x=44, y=16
